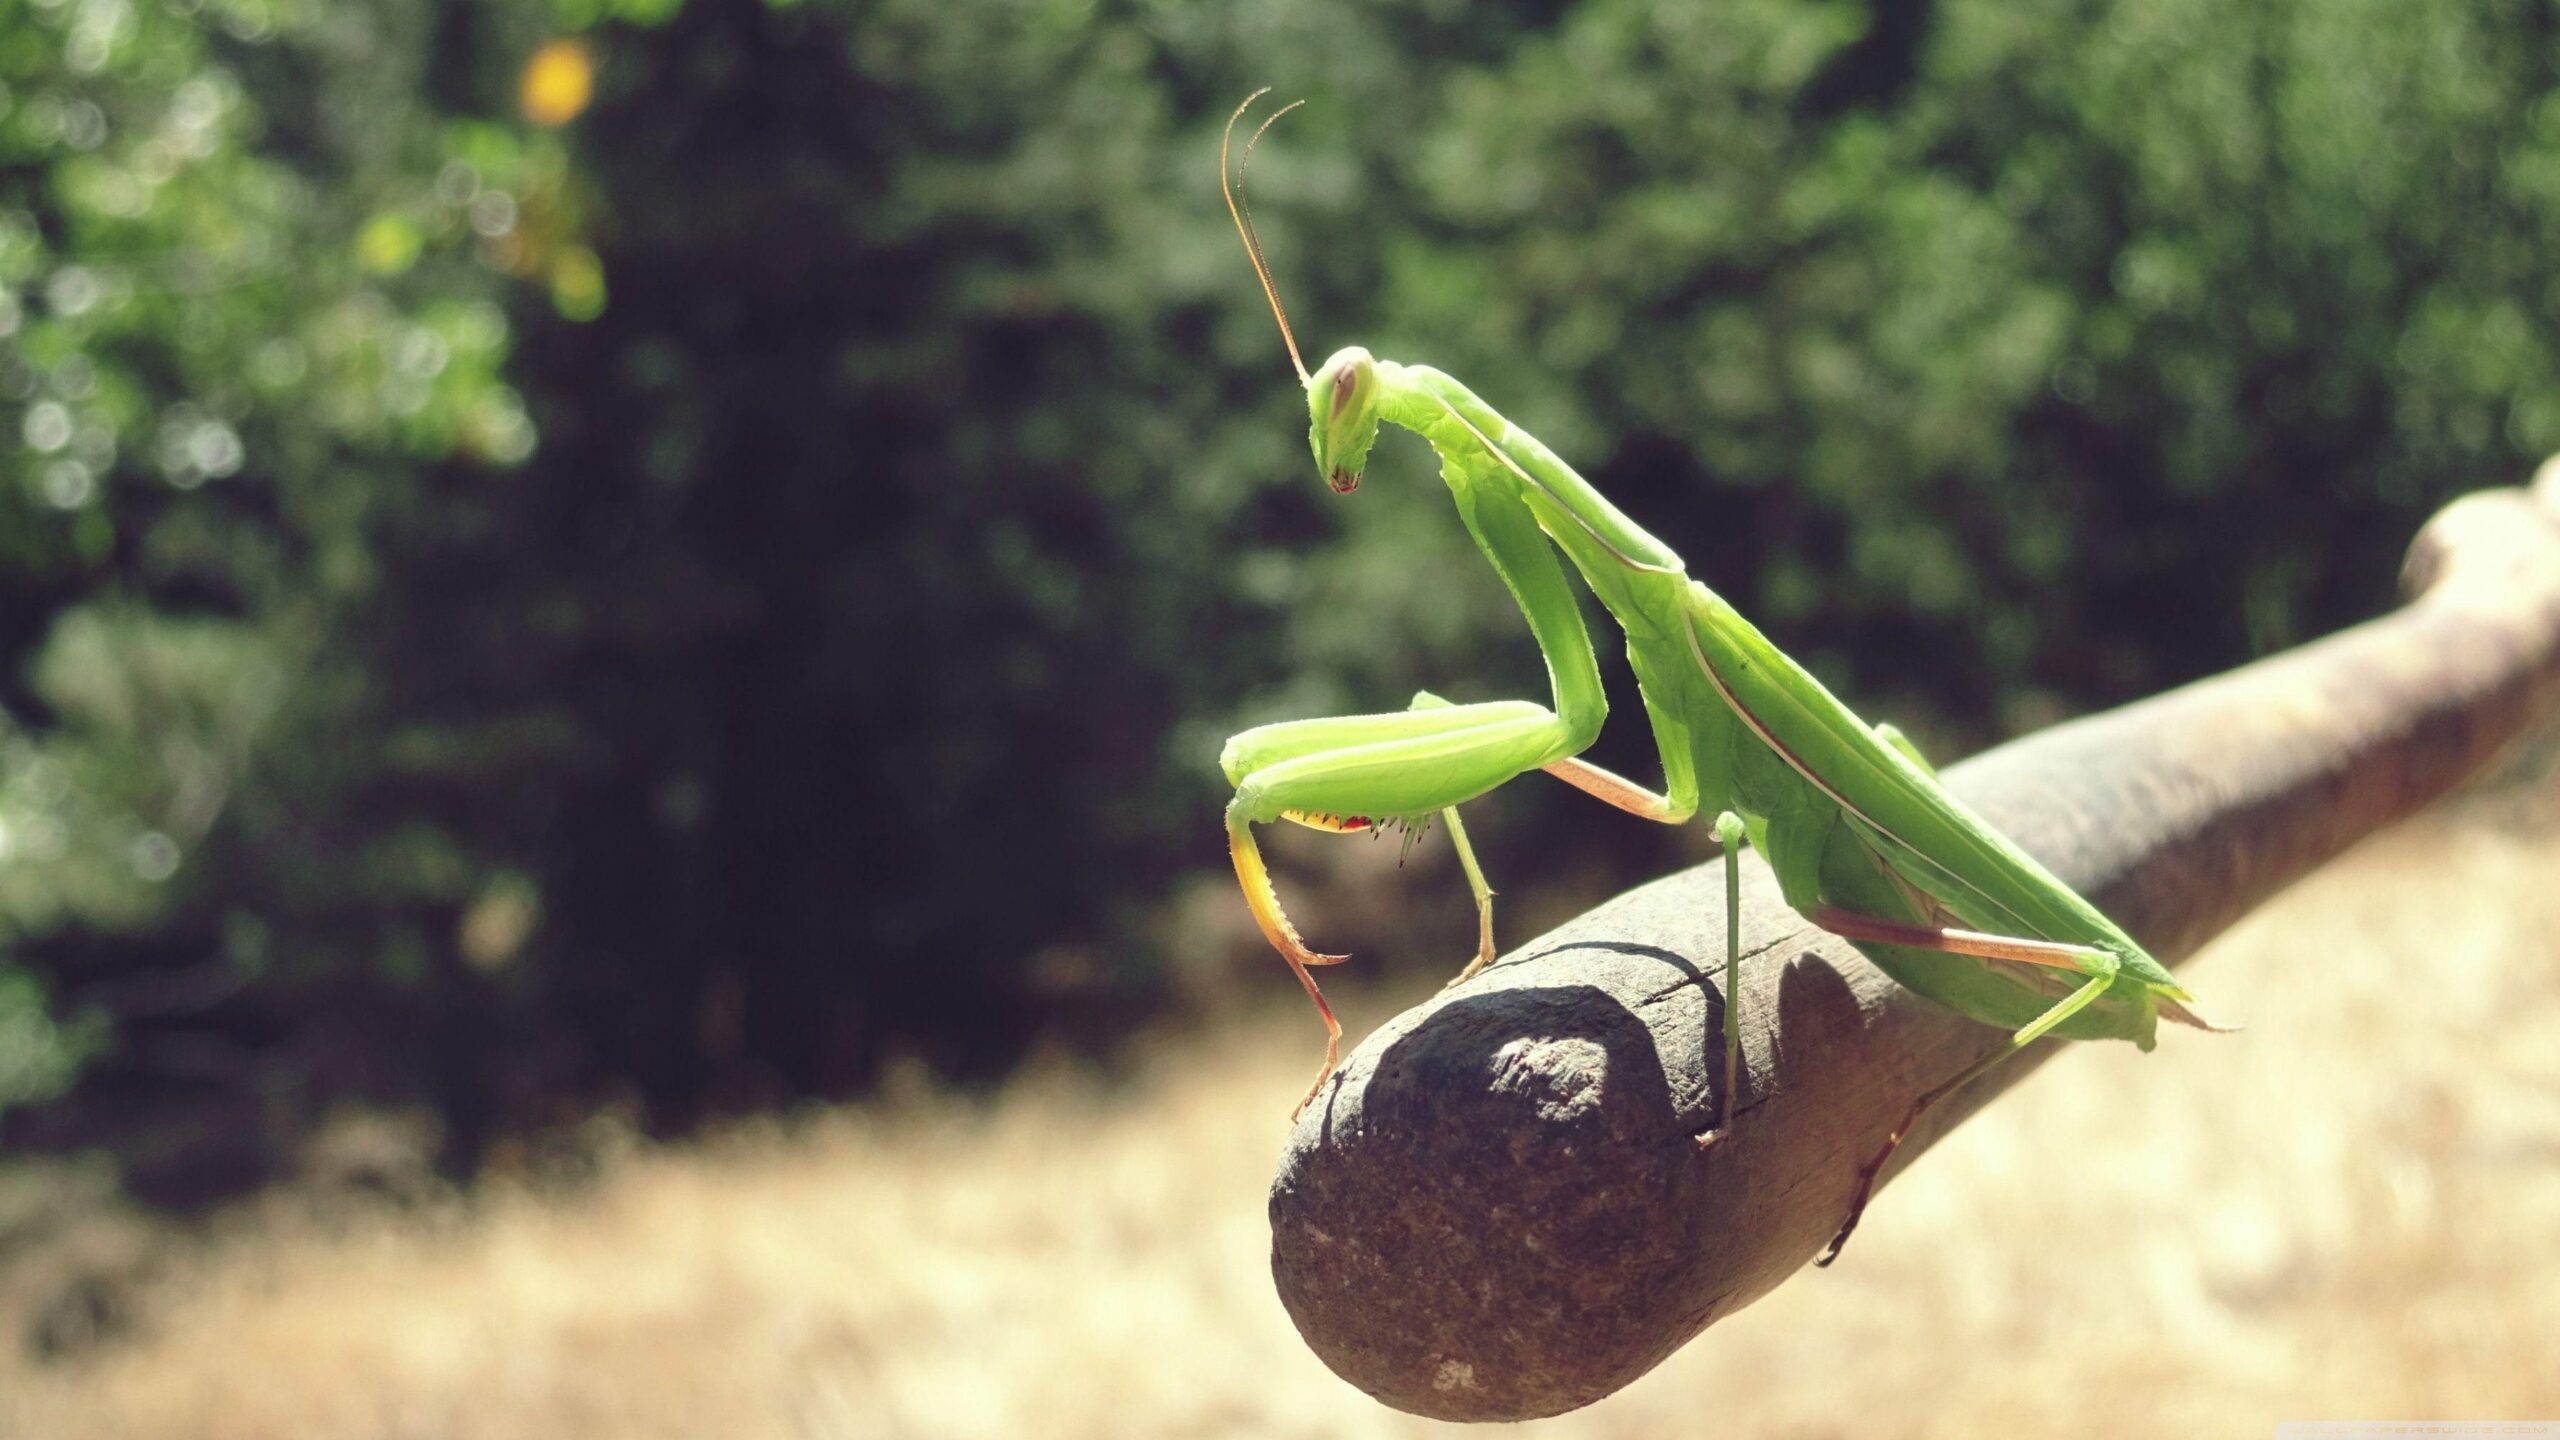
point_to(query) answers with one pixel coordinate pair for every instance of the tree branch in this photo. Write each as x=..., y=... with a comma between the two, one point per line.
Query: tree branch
x=1496, y=1210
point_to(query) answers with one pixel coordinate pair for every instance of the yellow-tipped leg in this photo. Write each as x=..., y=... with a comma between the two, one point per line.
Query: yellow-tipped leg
x=1484, y=899
x=1332, y=1050
x=1264, y=902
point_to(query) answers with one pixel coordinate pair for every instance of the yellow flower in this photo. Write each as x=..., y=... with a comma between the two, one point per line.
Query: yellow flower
x=558, y=82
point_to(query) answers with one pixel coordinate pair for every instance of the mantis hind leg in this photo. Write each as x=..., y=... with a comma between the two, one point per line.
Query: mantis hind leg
x=2100, y=977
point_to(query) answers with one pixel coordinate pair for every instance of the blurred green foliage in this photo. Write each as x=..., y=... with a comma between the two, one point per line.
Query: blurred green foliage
x=510, y=596
x=250, y=328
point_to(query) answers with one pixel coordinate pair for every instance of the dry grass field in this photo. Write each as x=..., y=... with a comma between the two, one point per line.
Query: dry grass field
x=2350, y=1211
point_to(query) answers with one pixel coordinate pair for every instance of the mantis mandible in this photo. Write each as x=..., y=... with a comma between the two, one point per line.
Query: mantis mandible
x=1863, y=840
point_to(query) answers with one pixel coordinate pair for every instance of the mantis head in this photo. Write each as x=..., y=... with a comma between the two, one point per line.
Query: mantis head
x=1342, y=397
x=1342, y=403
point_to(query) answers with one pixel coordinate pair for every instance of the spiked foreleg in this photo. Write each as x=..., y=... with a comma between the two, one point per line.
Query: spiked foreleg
x=1357, y=772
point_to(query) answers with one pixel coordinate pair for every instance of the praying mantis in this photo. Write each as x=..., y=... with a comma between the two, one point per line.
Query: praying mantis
x=1864, y=841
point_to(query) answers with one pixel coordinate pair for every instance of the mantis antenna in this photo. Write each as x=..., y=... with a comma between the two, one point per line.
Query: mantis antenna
x=1243, y=213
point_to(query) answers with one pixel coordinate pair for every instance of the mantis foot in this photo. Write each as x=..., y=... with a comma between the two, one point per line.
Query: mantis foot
x=1475, y=966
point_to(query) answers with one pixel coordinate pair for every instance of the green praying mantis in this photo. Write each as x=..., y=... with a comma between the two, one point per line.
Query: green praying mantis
x=1864, y=841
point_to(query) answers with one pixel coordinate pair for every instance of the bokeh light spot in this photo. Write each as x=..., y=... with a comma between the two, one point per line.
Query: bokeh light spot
x=558, y=82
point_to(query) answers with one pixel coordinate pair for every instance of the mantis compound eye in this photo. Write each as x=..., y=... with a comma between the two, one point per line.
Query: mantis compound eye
x=1342, y=404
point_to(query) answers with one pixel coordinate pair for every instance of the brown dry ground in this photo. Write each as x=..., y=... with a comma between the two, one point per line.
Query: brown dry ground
x=2350, y=1211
